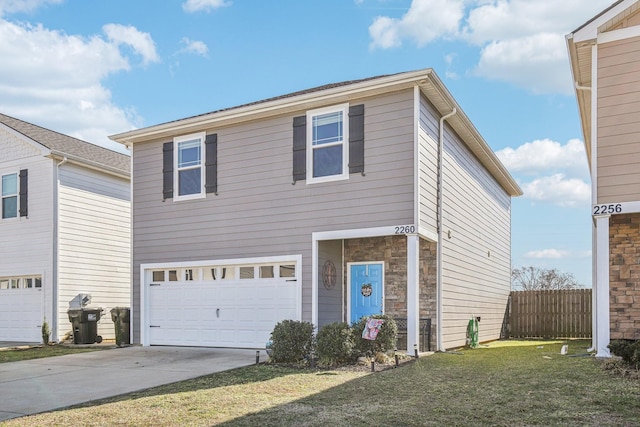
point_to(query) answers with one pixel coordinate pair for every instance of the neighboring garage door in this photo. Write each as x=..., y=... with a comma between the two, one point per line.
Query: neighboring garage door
x=21, y=309
x=221, y=305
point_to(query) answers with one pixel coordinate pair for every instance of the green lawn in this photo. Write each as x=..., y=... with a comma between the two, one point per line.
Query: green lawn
x=505, y=384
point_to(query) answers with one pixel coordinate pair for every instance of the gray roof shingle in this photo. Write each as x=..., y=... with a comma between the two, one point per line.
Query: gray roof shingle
x=67, y=145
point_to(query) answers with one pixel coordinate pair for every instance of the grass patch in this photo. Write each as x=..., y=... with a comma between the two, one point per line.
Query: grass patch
x=504, y=384
x=38, y=352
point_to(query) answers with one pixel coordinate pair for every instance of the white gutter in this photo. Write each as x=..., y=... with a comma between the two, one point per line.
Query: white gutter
x=56, y=246
x=439, y=345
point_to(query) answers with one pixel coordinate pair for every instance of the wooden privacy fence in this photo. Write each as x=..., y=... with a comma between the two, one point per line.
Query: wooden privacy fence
x=550, y=314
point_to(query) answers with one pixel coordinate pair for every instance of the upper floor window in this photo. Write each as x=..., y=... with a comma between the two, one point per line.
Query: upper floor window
x=10, y=195
x=327, y=145
x=188, y=166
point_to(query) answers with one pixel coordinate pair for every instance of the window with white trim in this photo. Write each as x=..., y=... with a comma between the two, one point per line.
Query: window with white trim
x=327, y=144
x=188, y=166
x=24, y=282
x=10, y=198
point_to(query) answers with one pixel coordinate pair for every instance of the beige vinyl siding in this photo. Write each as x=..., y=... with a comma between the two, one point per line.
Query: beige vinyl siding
x=258, y=212
x=94, y=243
x=27, y=243
x=619, y=121
x=477, y=257
x=428, y=165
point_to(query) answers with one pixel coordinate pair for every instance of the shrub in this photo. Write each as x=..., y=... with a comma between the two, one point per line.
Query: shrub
x=335, y=344
x=291, y=341
x=384, y=342
x=629, y=351
x=45, y=332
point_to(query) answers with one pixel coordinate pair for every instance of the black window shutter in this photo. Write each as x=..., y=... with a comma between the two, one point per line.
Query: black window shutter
x=24, y=185
x=299, y=148
x=356, y=139
x=211, y=163
x=167, y=170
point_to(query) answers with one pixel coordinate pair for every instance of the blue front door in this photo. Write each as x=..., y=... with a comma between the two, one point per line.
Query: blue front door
x=366, y=290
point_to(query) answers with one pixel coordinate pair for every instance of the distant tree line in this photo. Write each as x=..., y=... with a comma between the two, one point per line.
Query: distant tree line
x=540, y=279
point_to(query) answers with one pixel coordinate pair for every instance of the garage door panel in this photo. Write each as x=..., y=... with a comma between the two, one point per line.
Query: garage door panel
x=215, y=314
x=21, y=315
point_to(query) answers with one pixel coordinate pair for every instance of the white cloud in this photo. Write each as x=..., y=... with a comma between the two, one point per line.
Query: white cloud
x=55, y=80
x=194, y=46
x=520, y=41
x=140, y=42
x=192, y=6
x=548, y=254
x=561, y=171
x=12, y=6
x=425, y=21
x=538, y=62
x=558, y=190
x=544, y=156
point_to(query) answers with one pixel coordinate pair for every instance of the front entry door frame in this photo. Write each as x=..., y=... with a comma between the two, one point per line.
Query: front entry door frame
x=349, y=302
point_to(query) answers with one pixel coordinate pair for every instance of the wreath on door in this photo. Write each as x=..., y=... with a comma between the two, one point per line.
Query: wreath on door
x=366, y=289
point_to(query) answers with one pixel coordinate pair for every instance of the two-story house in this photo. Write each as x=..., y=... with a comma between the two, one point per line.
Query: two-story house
x=368, y=196
x=65, y=230
x=605, y=65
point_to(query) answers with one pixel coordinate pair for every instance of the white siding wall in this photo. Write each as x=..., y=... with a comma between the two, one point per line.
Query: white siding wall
x=257, y=211
x=27, y=243
x=476, y=271
x=94, y=256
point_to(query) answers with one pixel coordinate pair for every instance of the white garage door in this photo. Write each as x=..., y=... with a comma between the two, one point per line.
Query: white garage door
x=221, y=305
x=21, y=310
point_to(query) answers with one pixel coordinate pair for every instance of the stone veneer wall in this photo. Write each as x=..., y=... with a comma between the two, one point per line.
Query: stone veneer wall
x=393, y=251
x=624, y=276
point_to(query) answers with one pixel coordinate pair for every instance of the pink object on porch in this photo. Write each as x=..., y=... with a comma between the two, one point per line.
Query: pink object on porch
x=371, y=329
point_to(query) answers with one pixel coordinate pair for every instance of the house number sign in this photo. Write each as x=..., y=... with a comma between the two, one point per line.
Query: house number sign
x=615, y=208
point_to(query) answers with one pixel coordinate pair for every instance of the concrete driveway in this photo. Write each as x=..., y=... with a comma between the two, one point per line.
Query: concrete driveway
x=40, y=385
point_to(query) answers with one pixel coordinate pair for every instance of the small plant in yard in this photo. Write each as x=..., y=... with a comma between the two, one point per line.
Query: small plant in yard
x=46, y=333
x=384, y=342
x=291, y=341
x=335, y=344
x=628, y=350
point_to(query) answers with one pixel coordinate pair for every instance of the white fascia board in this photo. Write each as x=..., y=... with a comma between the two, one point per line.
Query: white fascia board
x=590, y=31
x=302, y=101
x=621, y=34
x=58, y=155
x=34, y=144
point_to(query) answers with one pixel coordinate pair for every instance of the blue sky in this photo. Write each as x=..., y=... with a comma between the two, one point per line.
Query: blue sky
x=95, y=68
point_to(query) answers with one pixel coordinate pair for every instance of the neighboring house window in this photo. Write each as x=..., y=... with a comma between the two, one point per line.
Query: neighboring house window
x=10, y=195
x=190, y=167
x=28, y=282
x=14, y=194
x=327, y=149
x=328, y=143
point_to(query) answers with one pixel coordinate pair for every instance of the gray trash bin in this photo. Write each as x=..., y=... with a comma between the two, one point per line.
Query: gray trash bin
x=85, y=324
x=121, y=320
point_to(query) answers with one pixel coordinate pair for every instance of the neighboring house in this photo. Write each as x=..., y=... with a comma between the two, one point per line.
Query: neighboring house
x=65, y=229
x=605, y=62
x=321, y=205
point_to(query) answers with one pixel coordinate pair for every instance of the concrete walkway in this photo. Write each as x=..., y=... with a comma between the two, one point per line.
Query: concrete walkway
x=40, y=385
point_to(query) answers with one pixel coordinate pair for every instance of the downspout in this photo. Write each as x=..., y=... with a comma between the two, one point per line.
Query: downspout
x=439, y=345
x=56, y=245
x=594, y=251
